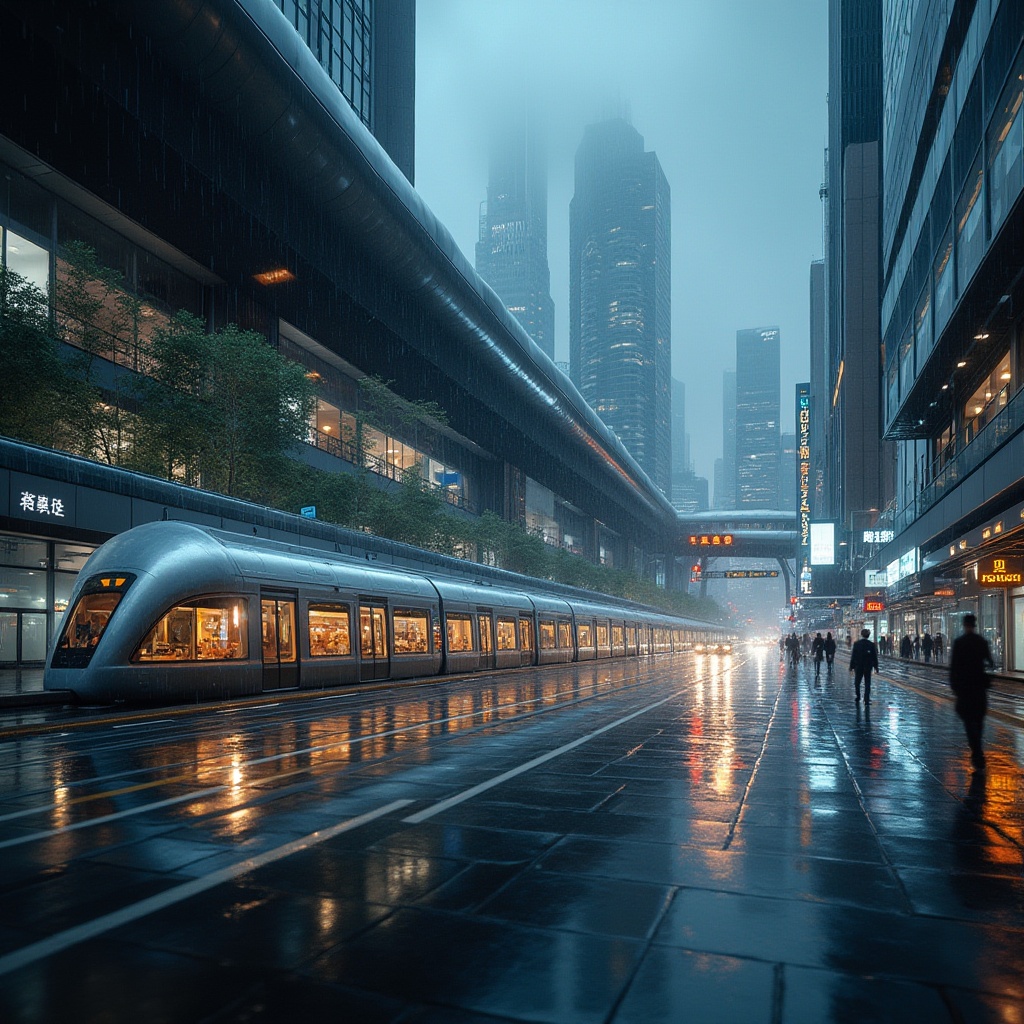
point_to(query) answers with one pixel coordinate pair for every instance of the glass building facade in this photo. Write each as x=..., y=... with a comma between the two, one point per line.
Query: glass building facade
x=758, y=432
x=512, y=252
x=951, y=325
x=620, y=292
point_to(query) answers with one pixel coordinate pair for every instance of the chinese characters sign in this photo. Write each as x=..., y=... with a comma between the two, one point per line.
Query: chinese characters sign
x=803, y=477
x=42, y=504
x=714, y=540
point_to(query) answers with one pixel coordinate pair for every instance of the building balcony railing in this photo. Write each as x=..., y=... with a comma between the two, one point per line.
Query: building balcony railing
x=1006, y=423
x=350, y=452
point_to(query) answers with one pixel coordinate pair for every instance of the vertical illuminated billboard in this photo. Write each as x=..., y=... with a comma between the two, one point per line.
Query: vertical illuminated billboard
x=803, y=485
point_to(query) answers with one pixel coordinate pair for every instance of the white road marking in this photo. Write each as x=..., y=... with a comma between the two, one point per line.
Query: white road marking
x=142, y=809
x=100, y=925
x=429, y=812
x=139, y=725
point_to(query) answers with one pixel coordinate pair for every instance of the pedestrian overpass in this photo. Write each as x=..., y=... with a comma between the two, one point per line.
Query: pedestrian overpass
x=763, y=534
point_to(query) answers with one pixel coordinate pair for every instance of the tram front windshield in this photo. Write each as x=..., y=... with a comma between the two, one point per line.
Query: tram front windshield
x=88, y=620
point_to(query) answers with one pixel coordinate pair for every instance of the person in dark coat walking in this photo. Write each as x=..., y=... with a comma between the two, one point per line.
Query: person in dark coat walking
x=818, y=653
x=830, y=651
x=863, y=658
x=906, y=647
x=969, y=680
x=926, y=647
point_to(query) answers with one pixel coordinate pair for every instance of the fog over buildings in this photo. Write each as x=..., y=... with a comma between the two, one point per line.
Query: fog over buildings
x=732, y=99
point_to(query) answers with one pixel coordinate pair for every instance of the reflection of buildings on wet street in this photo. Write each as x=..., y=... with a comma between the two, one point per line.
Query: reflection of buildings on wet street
x=686, y=837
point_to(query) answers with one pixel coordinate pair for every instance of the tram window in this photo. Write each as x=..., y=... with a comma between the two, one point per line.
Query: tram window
x=411, y=628
x=631, y=636
x=525, y=634
x=564, y=634
x=460, y=632
x=87, y=622
x=584, y=634
x=617, y=636
x=210, y=629
x=329, y=631
x=602, y=636
x=506, y=634
x=547, y=634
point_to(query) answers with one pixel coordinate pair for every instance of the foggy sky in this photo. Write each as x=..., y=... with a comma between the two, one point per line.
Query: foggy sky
x=731, y=95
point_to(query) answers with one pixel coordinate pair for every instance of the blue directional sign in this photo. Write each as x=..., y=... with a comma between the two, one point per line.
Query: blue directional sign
x=309, y=511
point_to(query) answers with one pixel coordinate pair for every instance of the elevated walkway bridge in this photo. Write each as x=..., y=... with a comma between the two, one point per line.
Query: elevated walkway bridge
x=756, y=534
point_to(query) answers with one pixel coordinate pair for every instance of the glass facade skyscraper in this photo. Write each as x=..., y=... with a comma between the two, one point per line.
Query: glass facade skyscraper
x=758, y=435
x=512, y=251
x=953, y=333
x=620, y=291
x=368, y=47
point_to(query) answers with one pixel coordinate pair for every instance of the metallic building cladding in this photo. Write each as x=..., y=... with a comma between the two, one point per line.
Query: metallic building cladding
x=271, y=105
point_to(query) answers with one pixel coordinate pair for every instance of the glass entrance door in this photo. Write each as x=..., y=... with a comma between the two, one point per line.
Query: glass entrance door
x=280, y=661
x=22, y=638
x=373, y=642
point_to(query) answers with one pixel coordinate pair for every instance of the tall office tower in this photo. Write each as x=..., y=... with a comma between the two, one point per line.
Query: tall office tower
x=952, y=323
x=758, y=359
x=725, y=495
x=512, y=251
x=368, y=47
x=620, y=291
x=680, y=441
x=860, y=481
x=821, y=398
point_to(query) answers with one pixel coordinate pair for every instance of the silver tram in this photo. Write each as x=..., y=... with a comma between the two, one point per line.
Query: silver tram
x=173, y=611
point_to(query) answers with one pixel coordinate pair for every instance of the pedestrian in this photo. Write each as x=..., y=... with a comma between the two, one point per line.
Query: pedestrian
x=818, y=653
x=970, y=681
x=926, y=647
x=863, y=658
x=940, y=647
x=830, y=652
x=906, y=646
x=917, y=647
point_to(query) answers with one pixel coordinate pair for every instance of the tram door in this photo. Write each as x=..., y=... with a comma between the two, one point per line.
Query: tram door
x=373, y=641
x=487, y=659
x=280, y=660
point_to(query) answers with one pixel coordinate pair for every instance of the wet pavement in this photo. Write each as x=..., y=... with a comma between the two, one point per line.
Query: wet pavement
x=677, y=839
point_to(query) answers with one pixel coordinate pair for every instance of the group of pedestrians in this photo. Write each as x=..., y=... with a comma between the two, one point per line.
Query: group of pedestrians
x=970, y=660
x=926, y=645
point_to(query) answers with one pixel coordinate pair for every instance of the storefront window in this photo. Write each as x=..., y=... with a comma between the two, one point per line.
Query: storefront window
x=71, y=557
x=211, y=629
x=460, y=633
x=329, y=631
x=506, y=634
x=22, y=551
x=411, y=629
x=23, y=588
x=1018, y=634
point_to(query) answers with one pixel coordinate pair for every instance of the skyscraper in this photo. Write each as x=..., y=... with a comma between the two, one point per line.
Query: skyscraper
x=512, y=250
x=858, y=480
x=369, y=51
x=758, y=440
x=725, y=490
x=620, y=291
